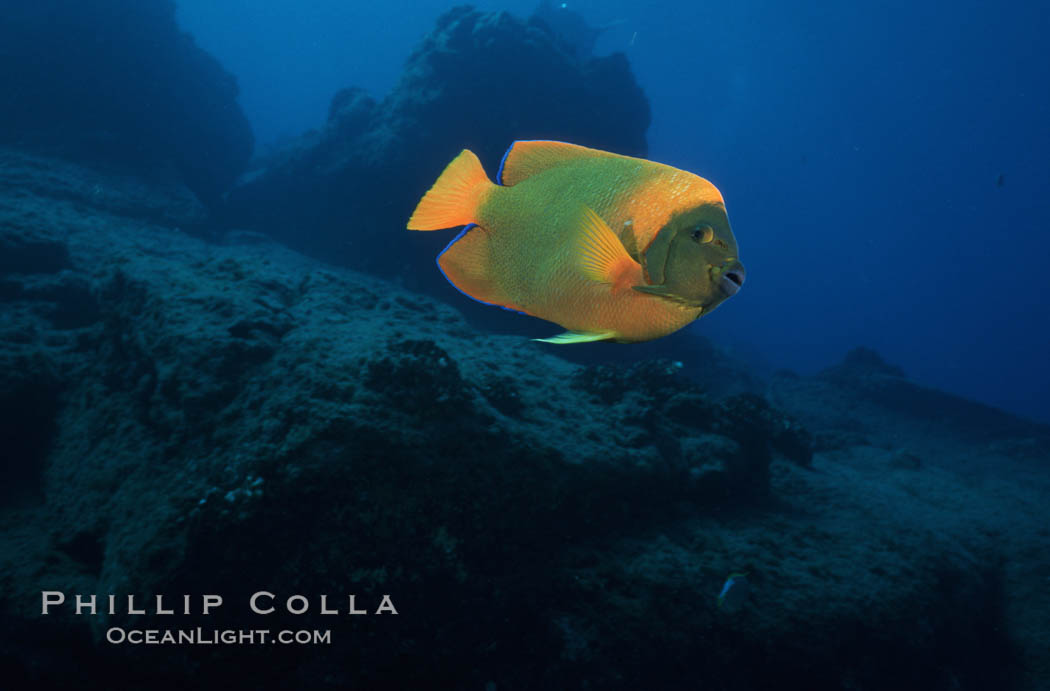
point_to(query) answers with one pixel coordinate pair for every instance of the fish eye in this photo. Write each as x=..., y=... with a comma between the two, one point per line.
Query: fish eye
x=702, y=234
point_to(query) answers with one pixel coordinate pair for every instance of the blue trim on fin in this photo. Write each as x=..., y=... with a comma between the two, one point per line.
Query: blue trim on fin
x=499, y=173
x=437, y=260
x=502, y=161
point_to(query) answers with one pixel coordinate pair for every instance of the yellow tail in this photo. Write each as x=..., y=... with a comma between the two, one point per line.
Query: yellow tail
x=455, y=197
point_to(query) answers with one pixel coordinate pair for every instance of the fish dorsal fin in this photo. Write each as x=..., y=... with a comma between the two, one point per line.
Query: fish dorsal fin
x=527, y=158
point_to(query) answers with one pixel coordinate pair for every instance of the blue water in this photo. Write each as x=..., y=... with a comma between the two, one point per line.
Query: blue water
x=885, y=166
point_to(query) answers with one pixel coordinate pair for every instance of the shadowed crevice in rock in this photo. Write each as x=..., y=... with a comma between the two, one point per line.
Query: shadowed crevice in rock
x=29, y=404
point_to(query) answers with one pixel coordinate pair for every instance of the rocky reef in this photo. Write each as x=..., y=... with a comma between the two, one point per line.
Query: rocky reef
x=116, y=80
x=232, y=417
x=478, y=81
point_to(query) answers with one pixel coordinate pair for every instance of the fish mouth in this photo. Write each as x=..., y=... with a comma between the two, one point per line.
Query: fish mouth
x=731, y=281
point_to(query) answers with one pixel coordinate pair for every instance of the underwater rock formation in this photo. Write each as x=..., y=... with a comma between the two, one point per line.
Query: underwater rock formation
x=116, y=80
x=478, y=81
x=568, y=26
x=234, y=417
x=877, y=396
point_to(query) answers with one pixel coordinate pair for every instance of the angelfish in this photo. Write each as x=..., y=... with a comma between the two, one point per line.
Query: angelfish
x=610, y=247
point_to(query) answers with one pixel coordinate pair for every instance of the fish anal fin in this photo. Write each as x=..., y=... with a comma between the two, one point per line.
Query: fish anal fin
x=466, y=263
x=570, y=337
x=527, y=158
x=603, y=258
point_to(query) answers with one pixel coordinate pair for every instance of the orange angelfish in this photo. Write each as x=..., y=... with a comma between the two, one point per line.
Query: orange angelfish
x=610, y=247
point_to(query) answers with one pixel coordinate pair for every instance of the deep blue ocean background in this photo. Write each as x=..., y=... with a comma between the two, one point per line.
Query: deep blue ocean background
x=884, y=164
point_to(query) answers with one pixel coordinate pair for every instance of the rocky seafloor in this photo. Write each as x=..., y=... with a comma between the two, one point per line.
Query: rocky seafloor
x=228, y=416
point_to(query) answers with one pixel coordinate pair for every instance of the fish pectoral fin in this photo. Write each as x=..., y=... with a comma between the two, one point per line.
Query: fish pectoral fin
x=577, y=337
x=603, y=258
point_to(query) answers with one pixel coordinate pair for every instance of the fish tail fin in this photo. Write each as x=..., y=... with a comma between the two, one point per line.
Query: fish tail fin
x=455, y=197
